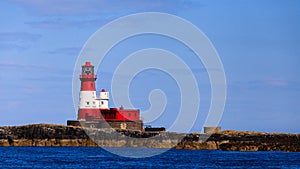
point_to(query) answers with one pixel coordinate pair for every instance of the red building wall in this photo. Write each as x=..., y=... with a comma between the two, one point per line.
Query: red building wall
x=116, y=114
x=87, y=114
x=128, y=114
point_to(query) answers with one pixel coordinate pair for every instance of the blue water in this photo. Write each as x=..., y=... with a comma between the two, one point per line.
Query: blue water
x=86, y=157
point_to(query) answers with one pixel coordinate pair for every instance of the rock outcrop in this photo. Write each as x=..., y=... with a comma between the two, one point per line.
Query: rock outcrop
x=59, y=135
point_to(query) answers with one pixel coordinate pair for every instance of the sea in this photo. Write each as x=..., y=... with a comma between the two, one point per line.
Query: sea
x=90, y=157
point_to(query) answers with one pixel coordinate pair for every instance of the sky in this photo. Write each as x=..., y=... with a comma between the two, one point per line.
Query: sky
x=257, y=41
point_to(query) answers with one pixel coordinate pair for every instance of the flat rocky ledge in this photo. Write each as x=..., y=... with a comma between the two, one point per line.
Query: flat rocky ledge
x=228, y=140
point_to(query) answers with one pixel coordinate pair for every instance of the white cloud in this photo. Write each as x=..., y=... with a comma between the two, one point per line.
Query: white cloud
x=82, y=7
x=17, y=41
x=278, y=82
x=18, y=36
x=66, y=51
x=62, y=23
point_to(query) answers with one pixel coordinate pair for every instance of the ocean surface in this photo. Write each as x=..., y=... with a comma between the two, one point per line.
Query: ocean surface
x=87, y=157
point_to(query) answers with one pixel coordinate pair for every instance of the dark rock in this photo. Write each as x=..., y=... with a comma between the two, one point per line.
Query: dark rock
x=59, y=135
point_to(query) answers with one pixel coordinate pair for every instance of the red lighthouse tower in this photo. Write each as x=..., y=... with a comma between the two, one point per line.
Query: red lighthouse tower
x=94, y=111
x=88, y=105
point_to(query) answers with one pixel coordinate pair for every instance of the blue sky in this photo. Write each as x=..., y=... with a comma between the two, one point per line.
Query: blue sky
x=257, y=41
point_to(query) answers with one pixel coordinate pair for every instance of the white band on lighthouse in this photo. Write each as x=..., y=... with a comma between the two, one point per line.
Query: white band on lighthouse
x=88, y=100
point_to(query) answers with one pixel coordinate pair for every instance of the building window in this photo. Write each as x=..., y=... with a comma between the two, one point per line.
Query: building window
x=102, y=102
x=94, y=103
x=128, y=114
x=88, y=103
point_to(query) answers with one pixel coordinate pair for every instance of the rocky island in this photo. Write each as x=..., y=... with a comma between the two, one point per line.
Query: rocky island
x=60, y=135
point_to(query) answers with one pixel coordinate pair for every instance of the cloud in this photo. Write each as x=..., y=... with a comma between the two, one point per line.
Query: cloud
x=17, y=40
x=87, y=13
x=62, y=23
x=267, y=83
x=66, y=51
x=25, y=77
x=94, y=7
x=14, y=47
x=15, y=65
x=18, y=37
x=278, y=82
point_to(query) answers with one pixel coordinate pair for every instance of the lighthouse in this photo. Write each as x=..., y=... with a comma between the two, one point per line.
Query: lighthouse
x=94, y=111
x=88, y=104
